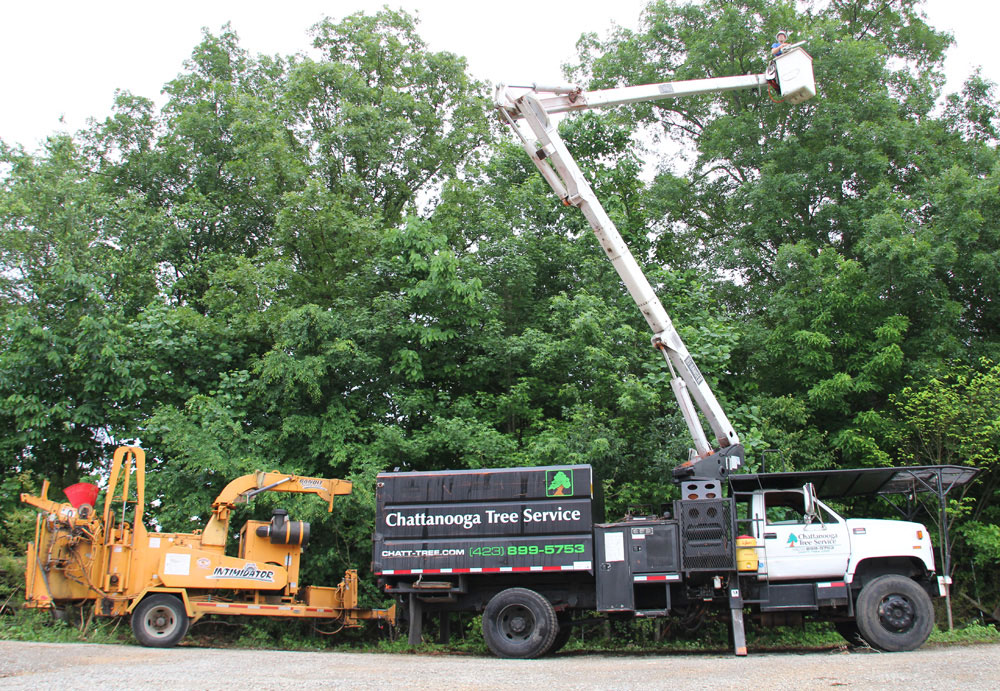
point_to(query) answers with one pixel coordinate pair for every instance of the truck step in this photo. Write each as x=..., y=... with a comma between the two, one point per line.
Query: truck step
x=432, y=585
x=651, y=613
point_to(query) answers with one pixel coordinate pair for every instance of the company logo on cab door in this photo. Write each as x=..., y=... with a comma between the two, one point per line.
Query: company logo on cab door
x=812, y=542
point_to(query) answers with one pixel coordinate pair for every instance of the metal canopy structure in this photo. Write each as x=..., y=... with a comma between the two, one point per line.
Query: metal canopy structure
x=855, y=482
x=911, y=483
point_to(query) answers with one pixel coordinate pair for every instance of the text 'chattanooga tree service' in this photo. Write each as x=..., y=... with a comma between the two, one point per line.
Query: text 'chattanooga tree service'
x=467, y=521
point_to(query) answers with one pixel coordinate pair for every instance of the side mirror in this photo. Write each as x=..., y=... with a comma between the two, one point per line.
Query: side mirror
x=810, y=501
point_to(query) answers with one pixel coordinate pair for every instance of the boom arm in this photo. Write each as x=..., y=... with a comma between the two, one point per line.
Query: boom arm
x=242, y=489
x=565, y=99
x=554, y=161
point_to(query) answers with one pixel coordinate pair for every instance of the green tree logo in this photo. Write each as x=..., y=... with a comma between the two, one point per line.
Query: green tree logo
x=558, y=483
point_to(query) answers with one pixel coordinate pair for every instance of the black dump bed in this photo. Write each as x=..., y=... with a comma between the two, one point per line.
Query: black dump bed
x=484, y=521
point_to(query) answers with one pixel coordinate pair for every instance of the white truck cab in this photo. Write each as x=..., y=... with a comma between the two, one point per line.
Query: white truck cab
x=800, y=537
x=872, y=578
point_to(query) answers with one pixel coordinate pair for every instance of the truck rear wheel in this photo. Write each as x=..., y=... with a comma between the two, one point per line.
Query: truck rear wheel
x=562, y=638
x=894, y=614
x=519, y=623
x=159, y=621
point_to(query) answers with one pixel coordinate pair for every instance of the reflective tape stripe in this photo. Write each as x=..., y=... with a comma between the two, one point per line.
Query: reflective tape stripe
x=657, y=577
x=577, y=566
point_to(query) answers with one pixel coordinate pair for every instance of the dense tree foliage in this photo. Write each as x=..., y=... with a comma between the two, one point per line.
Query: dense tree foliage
x=854, y=238
x=334, y=264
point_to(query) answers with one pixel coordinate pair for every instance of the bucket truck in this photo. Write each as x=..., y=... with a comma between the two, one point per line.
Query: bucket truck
x=528, y=549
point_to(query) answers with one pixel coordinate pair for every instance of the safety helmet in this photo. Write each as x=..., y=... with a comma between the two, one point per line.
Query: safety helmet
x=781, y=32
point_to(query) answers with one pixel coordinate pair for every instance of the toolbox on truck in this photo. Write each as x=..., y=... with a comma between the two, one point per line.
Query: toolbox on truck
x=631, y=556
x=485, y=521
x=637, y=560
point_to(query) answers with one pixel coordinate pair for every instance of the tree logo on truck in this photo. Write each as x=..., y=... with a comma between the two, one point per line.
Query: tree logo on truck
x=558, y=483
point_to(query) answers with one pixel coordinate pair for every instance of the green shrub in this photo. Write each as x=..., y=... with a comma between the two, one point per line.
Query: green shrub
x=74, y=626
x=974, y=632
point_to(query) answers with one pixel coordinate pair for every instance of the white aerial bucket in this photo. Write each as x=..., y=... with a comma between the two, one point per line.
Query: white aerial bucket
x=795, y=76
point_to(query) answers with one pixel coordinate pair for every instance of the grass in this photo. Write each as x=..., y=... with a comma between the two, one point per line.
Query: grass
x=38, y=625
x=974, y=632
x=625, y=637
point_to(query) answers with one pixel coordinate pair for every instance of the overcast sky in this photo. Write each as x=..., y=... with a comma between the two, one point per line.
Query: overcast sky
x=62, y=60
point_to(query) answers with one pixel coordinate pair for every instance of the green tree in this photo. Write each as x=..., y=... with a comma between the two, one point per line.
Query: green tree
x=330, y=264
x=844, y=221
x=953, y=418
x=231, y=280
x=67, y=376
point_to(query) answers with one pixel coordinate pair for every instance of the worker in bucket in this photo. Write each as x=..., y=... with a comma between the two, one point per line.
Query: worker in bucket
x=781, y=42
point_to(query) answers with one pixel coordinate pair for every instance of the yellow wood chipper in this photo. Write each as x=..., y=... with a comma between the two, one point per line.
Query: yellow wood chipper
x=167, y=581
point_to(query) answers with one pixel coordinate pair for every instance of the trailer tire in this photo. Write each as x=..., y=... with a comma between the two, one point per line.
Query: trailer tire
x=519, y=623
x=159, y=621
x=894, y=614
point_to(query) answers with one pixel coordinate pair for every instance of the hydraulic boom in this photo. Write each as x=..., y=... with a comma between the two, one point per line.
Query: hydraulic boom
x=533, y=106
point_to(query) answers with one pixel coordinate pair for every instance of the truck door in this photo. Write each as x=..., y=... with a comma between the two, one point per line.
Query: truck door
x=799, y=544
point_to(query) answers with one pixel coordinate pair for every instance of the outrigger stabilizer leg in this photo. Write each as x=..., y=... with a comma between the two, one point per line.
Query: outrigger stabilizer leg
x=736, y=609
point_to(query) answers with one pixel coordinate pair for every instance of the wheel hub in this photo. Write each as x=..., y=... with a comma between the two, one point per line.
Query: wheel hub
x=160, y=621
x=516, y=622
x=896, y=613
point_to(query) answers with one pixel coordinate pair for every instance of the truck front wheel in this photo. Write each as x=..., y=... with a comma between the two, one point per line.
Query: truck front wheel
x=894, y=614
x=159, y=621
x=519, y=623
x=849, y=630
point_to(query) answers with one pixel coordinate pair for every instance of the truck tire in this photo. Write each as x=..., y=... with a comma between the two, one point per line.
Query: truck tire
x=894, y=614
x=519, y=623
x=159, y=621
x=562, y=638
x=849, y=630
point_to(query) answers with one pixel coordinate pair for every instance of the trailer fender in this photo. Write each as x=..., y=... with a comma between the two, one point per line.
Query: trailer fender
x=192, y=613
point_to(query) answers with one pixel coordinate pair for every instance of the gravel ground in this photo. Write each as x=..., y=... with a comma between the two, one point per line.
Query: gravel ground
x=66, y=665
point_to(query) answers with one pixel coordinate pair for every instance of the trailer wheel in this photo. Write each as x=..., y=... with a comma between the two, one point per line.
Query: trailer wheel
x=159, y=621
x=519, y=623
x=894, y=614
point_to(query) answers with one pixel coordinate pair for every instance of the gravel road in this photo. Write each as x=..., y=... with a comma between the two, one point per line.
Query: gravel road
x=64, y=665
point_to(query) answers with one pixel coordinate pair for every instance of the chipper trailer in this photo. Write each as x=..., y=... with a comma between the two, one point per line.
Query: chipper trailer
x=167, y=581
x=528, y=549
